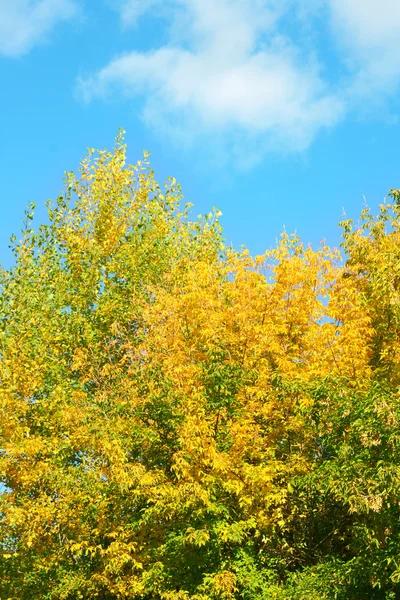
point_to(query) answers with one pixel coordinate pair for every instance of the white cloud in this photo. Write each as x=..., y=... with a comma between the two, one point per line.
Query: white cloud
x=369, y=25
x=132, y=10
x=27, y=23
x=370, y=32
x=240, y=71
x=238, y=77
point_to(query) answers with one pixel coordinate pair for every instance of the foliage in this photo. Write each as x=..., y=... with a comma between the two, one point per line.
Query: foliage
x=179, y=420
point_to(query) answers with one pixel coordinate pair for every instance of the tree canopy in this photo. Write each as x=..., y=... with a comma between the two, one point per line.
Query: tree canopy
x=181, y=420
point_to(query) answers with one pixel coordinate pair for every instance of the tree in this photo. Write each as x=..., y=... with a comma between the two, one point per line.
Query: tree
x=181, y=420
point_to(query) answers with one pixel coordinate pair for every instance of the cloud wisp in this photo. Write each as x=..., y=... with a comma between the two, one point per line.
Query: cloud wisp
x=235, y=71
x=25, y=24
x=229, y=73
x=368, y=33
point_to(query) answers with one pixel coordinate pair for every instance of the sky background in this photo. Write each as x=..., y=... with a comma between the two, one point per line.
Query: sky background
x=279, y=112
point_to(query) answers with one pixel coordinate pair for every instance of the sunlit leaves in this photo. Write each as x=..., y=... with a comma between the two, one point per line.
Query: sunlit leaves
x=179, y=420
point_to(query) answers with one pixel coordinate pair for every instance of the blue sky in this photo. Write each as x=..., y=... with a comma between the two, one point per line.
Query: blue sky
x=278, y=112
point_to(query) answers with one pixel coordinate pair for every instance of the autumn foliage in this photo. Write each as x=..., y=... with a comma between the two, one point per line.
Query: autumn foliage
x=180, y=420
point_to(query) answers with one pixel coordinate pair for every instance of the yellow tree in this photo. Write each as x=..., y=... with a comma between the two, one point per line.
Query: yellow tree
x=176, y=416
